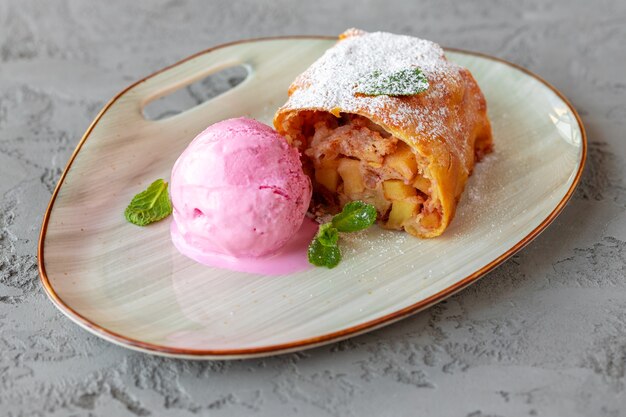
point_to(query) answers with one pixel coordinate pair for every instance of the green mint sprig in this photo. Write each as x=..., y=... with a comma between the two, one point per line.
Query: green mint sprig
x=324, y=249
x=405, y=82
x=355, y=216
x=150, y=205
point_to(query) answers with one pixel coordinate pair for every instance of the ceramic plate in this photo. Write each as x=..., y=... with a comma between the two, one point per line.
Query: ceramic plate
x=130, y=286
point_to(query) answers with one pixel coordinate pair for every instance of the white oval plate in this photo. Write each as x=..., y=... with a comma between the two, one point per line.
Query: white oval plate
x=130, y=286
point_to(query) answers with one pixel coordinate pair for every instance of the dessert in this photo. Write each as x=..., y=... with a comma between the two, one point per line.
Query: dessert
x=238, y=192
x=381, y=127
x=407, y=150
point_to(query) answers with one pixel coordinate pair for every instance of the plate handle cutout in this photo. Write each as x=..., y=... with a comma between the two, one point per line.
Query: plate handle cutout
x=188, y=96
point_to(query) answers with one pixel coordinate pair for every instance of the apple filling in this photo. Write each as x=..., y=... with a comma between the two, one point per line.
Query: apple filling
x=350, y=158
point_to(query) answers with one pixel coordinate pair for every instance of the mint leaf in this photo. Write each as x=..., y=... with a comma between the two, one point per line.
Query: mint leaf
x=324, y=249
x=322, y=255
x=150, y=205
x=328, y=235
x=355, y=216
x=405, y=82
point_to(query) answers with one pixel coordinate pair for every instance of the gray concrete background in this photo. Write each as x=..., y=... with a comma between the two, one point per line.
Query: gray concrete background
x=543, y=335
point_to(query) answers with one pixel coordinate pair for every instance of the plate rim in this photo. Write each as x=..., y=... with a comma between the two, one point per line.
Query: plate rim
x=311, y=342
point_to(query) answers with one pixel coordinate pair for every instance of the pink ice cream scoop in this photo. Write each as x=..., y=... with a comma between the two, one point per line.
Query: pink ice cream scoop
x=238, y=190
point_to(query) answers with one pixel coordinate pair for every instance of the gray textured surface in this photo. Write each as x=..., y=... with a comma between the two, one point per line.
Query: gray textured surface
x=544, y=335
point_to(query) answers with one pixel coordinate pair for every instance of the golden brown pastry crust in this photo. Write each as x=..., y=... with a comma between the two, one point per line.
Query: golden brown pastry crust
x=447, y=141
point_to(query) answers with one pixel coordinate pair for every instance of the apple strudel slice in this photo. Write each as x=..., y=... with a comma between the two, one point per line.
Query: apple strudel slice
x=387, y=119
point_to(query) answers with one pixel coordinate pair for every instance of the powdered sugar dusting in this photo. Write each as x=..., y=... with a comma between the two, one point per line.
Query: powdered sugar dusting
x=331, y=82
